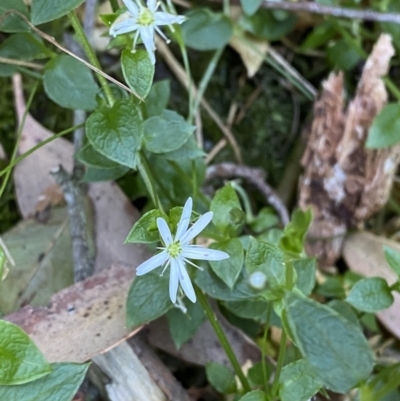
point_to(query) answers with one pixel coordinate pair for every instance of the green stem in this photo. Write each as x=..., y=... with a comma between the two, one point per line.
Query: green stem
x=38, y=146
x=146, y=175
x=114, y=5
x=246, y=201
x=189, y=77
x=264, y=348
x=19, y=135
x=206, y=79
x=211, y=316
x=91, y=55
x=279, y=366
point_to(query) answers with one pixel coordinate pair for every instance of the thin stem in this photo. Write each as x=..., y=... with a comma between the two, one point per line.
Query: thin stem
x=206, y=79
x=186, y=64
x=264, y=348
x=279, y=366
x=114, y=5
x=91, y=55
x=146, y=175
x=39, y=145
x=222, y=338
x=246, y=201
x=19, y=135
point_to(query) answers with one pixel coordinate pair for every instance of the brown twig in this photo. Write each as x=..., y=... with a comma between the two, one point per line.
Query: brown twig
x=254, y=176
x=316, y=8
x=51, y=40
x=180, y=73
x=21, y=63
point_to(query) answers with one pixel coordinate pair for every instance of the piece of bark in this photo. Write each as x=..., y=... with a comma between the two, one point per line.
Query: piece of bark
x=364, y=254
x=343, y=182
x=83, y=320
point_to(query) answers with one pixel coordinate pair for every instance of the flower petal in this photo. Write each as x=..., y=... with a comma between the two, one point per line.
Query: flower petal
x=152, y=263
x=123, y=24
x=185, y=282
x=132, y=7
x=173, y=280
x=185, y=219
x=164, y=231
x=152, y=5
x=197, y=227
x=147, y=35
x=200, y=253
x=162, y=18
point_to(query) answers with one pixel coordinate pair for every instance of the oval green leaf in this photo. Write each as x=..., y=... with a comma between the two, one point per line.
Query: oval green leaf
x=335, y=348
x=49, y=10
x=205, y=30
x=145, y=230
x=116, y=132
x=148, y=298
x=370, y=294
x=166, y=132
x=20, y=359
x=70, y=84
x=138, y=71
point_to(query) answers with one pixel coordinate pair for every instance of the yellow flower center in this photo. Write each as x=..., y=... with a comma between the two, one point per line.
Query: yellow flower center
x=175, y=249
x=146, y=17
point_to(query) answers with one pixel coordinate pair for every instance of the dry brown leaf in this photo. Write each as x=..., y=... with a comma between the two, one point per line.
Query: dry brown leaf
x=363, y=253
x=343, y=182
x=114, y=214
x=83, y=320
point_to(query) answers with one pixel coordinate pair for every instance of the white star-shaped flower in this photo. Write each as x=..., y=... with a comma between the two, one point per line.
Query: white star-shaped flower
x=178, y=250
x=144, y=20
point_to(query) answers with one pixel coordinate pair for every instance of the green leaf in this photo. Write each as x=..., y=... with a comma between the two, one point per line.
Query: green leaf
x=385, y=129
x=298, y=382
x=228, y=215
x=228, y=270
x=344, y=309
x=265, y=220
x=293, y=235
x=335, y=348
x=20, y=359
x=206, y=30
x=212, y=285
x=255, y=395
x=138, y=71
x=188, y=151
x=148, y=299
x=250, y=6
x=93, y=174
x=60, y=385
x=89, y=156
x=248, y=309
x=145, y=229
x=305, y=270
x=158, y=97
x=268, y=259
x=116, y=132
x=255, y=374
x=166, y=132
x=392, y=256
x=370, y=295
x=13, y=23
x=49, y=10
x=21, y=46
x=221, y=378
x=264, y=24
x=342, y=55
x=70, y=84
x=184, y=325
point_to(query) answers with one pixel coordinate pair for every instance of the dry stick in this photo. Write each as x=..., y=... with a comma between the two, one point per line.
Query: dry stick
x=183, y=79
x=51, y=40
x=255, y=176
x=316, y=8
x=21, y=63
